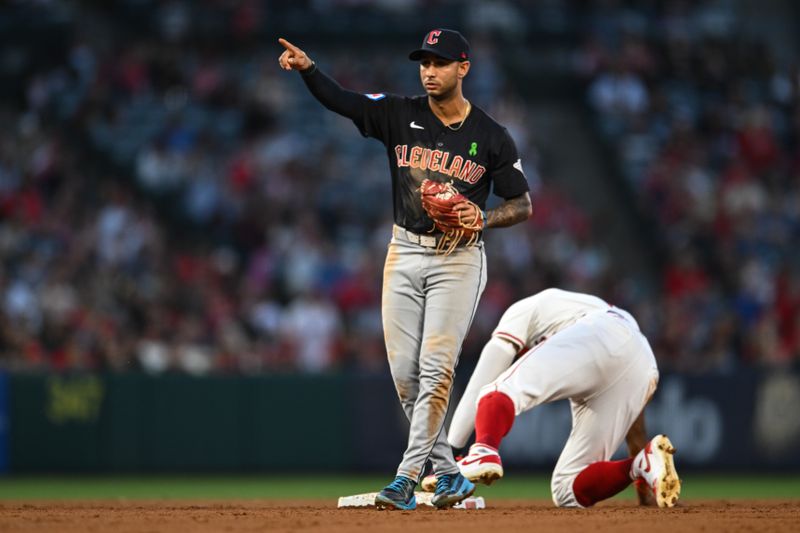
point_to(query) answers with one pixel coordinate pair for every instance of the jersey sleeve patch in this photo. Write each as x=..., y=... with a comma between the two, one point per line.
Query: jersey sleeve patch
x=375, y=96
x=518, y=165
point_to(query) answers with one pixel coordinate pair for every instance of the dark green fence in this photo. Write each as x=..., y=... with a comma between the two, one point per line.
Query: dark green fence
x=140, y=423
x=137, y=423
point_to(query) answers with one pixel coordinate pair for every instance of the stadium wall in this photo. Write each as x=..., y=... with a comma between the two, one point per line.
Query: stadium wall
x=138, y=423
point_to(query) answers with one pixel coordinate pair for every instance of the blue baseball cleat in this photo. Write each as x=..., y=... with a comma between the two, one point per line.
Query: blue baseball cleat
x=451, y=489
x=399, y=494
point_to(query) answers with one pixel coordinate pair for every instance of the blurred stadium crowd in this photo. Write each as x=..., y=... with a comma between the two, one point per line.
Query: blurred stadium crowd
x=706, y=126
x=169, y=204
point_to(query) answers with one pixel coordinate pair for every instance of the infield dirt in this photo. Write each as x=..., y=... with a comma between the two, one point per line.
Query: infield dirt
x=317, y=515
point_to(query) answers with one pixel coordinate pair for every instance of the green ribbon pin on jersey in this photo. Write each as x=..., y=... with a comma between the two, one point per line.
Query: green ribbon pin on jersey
x=473, y=150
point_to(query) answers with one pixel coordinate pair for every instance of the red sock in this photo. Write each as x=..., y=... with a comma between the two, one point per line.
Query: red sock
x=494, y=418
x=601, y=480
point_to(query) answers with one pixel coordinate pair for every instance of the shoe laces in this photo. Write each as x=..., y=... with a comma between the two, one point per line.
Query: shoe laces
x=400, y=484
x=444, y=481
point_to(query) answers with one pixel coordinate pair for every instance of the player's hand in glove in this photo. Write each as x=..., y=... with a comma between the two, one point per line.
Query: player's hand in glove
x=469, y=211
x=452, y=213
x=293, y=58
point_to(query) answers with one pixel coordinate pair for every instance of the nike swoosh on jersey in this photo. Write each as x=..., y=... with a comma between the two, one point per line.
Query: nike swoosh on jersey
x=416, y=126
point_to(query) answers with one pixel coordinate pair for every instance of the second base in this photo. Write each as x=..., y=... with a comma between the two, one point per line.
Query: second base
x=423, y=498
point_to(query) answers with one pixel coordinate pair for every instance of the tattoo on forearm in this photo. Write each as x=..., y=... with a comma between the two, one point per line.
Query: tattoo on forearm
x=510, y=212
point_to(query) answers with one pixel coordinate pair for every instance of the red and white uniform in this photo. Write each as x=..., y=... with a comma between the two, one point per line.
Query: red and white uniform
x=574, y=346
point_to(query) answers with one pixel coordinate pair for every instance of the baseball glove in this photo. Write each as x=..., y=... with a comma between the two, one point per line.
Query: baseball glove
x=439, y=200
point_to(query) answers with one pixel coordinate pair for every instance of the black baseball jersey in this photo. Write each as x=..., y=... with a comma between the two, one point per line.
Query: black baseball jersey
x=475, y=156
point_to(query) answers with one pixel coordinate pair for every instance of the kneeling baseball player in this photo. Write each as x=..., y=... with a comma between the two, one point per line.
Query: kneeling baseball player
x=575, y=346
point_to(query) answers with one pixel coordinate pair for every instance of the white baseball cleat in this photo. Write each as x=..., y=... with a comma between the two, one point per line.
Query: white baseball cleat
x=482, y=464
x=428, y=483
x=654, y=465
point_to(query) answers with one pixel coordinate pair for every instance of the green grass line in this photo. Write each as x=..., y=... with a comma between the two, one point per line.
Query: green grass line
x=233, y=487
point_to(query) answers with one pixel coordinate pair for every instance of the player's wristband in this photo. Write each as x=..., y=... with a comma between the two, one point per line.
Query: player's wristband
x=310, y=70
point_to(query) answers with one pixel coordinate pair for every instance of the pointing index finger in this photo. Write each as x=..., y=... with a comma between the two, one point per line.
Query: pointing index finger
x=289, y=46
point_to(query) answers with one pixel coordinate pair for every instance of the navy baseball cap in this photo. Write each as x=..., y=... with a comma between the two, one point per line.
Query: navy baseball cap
x=448, y=44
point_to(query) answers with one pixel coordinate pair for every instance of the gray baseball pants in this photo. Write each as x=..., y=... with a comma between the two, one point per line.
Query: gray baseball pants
x=428, y=303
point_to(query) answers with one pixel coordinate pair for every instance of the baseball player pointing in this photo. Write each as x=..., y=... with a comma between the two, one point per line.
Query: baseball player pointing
x=445, y=155
x=574, y=346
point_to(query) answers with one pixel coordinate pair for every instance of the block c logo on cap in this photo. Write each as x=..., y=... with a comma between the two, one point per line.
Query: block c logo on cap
x=433, y=37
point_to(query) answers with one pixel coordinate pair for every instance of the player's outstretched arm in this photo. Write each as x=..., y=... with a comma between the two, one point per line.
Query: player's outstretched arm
x=324, y=88
x=636, y=439
x=496, y=356
x=293, y=58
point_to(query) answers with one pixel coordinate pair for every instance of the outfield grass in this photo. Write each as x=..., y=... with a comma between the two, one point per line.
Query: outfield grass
x=227, y=487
